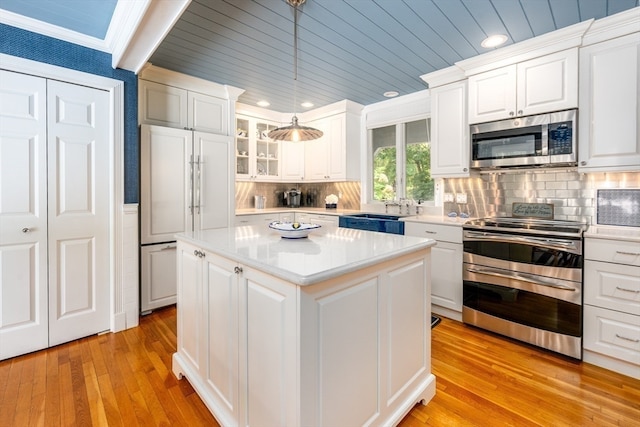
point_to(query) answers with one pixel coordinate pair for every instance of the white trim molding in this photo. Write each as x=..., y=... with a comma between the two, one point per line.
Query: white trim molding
x=120, y=263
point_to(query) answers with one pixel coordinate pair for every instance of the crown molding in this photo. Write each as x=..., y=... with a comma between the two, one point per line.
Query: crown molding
x=143, y=26
x=157, y=74
x=445, y=76
x=617, y=25
x=546, y=44
x=49, y=30
x=126, y=19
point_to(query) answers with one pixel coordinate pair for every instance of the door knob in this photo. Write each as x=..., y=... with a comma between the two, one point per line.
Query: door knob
x=26, y=230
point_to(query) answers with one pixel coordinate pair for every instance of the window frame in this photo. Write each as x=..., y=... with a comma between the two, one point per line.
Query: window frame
x=400, y=125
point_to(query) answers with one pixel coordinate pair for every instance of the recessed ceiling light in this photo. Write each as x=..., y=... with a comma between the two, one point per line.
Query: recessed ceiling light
x=494, y=41
x=263, y=103
x=391, y=94
x=307, y=104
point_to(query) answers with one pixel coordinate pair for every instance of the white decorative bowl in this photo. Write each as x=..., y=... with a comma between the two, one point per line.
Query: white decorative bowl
x=293, y=230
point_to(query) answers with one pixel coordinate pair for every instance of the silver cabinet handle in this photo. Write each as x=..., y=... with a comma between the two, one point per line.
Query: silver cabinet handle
x=26, y=230
x=628, y=253
x=431, y=232
x=519, y=112
x=511, y=113
x=635, y=291
x=525, y=277
x=583, y=163
x=627, y=339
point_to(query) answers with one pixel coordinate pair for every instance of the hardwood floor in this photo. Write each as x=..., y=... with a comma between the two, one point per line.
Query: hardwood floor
x=482, y=380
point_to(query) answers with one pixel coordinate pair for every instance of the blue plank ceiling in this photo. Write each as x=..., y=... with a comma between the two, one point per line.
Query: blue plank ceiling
x=354, y=49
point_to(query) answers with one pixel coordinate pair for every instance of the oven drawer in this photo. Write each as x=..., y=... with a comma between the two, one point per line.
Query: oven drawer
x=612, y=286
x=617, y=251
x=612, y=333
x=560, y=289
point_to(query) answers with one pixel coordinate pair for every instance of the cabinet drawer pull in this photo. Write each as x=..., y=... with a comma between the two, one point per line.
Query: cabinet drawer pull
x=628, y=253
x=431, y=232
x=635, y=291
x=627, y=339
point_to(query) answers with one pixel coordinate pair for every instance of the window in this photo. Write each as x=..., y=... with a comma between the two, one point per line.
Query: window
x=401, y=161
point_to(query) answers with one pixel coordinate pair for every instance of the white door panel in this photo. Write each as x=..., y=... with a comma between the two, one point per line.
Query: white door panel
x=212, y=181
x=79, y=176
x=23, y=214
x=165, y=178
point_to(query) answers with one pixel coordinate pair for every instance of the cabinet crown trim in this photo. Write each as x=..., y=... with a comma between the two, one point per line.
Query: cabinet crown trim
x=556, y=41
x=617, y=25
x=171, y=78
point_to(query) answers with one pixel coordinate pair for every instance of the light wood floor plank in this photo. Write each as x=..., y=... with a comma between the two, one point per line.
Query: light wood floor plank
x=482, y=379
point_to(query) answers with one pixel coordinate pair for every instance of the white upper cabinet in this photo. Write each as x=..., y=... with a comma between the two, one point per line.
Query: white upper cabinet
x=175, y=100
x=173, y=107
x=293, y=159
x=258, y=157
x=609, y=108
x=449, y=131
x=334, y=156
x=544, y=84
x=207, y=113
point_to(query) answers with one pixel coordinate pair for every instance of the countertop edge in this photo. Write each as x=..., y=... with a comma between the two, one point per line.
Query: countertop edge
x=311, y=279
x=612, y=232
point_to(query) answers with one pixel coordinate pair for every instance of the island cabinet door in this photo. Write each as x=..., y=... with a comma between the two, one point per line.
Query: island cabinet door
x=364, y=345
x=268, y=350
x=220, y=371
x=190, y=308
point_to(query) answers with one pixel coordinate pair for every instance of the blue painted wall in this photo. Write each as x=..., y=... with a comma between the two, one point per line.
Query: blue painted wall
x=25, y=44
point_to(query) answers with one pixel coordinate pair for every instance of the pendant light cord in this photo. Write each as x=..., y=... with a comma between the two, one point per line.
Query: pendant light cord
x=295, y=58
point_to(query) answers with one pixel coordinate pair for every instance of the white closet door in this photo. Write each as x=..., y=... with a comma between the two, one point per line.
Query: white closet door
x=79, y=174
x=211, y=180
x=23, y=214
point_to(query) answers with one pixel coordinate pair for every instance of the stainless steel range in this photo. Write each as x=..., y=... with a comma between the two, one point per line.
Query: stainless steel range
x=523, y=279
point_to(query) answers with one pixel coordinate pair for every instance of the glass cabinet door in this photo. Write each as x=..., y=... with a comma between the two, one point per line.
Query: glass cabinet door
x=267, y=152
x=242, y=148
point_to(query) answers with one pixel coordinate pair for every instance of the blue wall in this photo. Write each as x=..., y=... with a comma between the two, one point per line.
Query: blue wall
x=25, y=44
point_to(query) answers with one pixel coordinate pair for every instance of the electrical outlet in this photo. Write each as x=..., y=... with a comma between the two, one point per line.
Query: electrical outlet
x=461, y=198
x=448, y=197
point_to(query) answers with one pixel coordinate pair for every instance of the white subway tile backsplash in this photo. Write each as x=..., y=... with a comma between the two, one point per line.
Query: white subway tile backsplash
x=573, y=194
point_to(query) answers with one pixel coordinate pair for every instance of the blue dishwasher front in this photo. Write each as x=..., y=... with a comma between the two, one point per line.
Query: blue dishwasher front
x=373, y=222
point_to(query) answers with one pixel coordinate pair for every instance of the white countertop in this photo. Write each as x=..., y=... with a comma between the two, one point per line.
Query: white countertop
x=612, y=232
x=309, y=210
x=321, y=256
x=432, y=219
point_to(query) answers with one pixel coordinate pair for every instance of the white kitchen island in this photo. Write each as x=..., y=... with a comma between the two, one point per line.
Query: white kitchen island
x=329, y=330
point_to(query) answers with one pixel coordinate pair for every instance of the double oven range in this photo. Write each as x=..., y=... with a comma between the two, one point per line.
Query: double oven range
x=523, y=279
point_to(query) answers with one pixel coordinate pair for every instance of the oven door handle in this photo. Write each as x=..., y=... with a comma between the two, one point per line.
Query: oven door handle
x=542, y=242
x=525, y=277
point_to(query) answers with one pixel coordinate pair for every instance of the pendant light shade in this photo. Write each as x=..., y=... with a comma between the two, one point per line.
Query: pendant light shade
x=294, y=132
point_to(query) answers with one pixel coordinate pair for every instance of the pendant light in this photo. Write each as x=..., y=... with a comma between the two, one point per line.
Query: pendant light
x=295, y=132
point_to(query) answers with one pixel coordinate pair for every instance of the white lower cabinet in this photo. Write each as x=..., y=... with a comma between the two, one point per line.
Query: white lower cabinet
x=446, y=266
x=256, y=219
x=158, y=264
x=612, y=305
x=260, y=350
x=320, y=219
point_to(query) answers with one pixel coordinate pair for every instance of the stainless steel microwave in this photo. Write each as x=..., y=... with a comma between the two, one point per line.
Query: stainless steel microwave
x=537, y=141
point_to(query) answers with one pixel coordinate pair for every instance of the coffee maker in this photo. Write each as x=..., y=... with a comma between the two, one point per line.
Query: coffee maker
x=292, y=198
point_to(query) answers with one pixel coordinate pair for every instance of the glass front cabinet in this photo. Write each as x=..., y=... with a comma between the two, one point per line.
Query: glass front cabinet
x=257, y=156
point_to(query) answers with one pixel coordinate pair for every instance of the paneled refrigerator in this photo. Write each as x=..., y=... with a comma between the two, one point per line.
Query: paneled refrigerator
x=185, y=184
